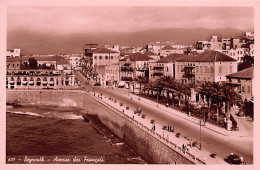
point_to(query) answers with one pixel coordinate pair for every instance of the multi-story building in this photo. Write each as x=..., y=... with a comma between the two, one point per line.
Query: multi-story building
x=13, y=53
x=38, y=79
x=163, y=67
x=242, y=82
x=75, y=61
x=103, y=56
x=111, y=74
x=211, y=66
x=133, y=66
x=203, y=45
x=237, y=54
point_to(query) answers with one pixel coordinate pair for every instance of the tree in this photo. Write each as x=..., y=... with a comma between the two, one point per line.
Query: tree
x=33, y=63
x=142, y=81
x=247, y=62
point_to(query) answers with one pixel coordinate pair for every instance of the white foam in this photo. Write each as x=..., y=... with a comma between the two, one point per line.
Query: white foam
x=27, y=113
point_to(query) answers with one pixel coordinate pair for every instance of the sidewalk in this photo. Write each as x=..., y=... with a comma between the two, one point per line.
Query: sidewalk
x=241, y=133
x=202, y=155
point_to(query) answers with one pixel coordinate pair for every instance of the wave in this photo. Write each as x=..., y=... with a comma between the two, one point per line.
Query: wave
x=26, y=113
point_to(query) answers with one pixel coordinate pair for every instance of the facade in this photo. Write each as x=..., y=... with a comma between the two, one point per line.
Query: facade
x=242, y=81
x=163, y=67
x=104, y=56
x=203, y=45
x=210, y=66
x=13, y=53
x=38, y=79
x=75, y=61
x=132, y=66
x=111, y=74
x=237, y=54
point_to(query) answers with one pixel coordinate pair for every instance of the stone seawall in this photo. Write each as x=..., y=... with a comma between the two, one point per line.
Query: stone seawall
x=146, y=145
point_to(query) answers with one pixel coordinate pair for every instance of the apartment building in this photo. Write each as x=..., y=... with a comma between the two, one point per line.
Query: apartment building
x=211, y=66
x=163, y=67
x=75, y=61
x=242, y=82
x=132, y=66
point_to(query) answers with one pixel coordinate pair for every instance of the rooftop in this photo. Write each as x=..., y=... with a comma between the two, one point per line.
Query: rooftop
x=149, y=53
x=208, y=56
x=170, y=58
x=247, y=73
x=167, y=47
x=137, y=57
x=103, y=50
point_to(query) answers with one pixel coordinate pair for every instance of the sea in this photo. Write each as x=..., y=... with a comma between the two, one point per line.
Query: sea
x=59, y=135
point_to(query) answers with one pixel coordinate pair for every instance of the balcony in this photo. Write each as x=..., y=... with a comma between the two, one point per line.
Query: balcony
x=189, y=72
x=128, y=69
x=126, y=78
x=158, y=74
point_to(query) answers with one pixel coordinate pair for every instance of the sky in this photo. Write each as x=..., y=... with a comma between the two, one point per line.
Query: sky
x=82, y=19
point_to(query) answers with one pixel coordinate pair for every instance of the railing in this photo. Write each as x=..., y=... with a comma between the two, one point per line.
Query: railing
x=126, y=78
x=165, y=141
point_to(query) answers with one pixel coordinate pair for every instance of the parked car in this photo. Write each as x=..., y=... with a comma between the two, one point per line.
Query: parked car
x=97, y=84
x=234, y=159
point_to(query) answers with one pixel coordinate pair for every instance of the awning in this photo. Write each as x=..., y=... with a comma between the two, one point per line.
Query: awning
x=31, y=82
x=11, y=81
x=44, y=82
x=25, y=82
x=51, y=82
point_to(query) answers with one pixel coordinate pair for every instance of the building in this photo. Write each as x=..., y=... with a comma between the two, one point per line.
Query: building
x=103, y=56
x=38, y=79
x=210, y=66
x=163, y=67
x=42, y=62
x=167, y=50
x=112, y=74
x=75, y=61
x=242, y=82
x=132, y=66
x=203, y=45
x=13, y=53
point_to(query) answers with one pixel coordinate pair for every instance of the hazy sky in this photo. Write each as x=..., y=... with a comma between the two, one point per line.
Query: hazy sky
x=61, y=19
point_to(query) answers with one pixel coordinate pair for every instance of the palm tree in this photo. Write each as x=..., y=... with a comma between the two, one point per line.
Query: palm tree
x=142, y=81
x=167, y=83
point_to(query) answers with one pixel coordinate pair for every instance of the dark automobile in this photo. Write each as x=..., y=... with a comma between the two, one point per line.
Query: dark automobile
x=97, y=84
x=234, y=159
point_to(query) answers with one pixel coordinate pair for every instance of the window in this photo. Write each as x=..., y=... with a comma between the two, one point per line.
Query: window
x=243, y=88
x=220, y=69
x=106, y=57
x=211, y=70
x=238, y=52
x=248, y=89
x=239, y=81
x=167, y=69
x=181, y=67
x=95, y=57
x=111, y=57
x=178, y=68
x=231, y=69
x=13, y=65
x=241, y=52
x=205, y=69
x=201, y=69
x=100, y=57
x=230, y=80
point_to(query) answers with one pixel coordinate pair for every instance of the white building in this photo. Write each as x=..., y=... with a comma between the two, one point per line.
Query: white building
x=75, y=61
x=13, y=53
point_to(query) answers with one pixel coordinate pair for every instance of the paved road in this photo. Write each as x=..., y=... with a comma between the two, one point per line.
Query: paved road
x=211, y=141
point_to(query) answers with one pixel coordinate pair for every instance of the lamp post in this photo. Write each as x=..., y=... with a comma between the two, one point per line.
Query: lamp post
x=200, y=134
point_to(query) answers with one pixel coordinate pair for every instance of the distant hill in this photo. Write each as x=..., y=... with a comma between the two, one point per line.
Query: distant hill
x=44, y=43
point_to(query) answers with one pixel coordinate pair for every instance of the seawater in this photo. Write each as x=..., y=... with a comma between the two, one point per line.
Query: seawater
x=45, y=134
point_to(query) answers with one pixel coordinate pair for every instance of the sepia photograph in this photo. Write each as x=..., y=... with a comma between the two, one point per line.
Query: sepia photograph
x=112, y=83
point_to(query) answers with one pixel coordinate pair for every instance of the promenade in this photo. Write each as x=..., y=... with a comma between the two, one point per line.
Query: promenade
x=201, y=155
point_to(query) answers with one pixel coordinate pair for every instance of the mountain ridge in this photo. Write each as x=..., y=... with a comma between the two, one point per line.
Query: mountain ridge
x=32, y=42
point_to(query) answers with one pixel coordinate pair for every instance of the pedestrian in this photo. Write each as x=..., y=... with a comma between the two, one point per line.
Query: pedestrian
x=123, y=111
x=154, y=126
x=163, y=134
x=191, y=143
x=170, y=129
x=167, y=105
x=133, y=117
x=183, y=147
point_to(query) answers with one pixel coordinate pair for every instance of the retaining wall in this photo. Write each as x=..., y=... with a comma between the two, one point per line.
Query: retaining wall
x=151, y=146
